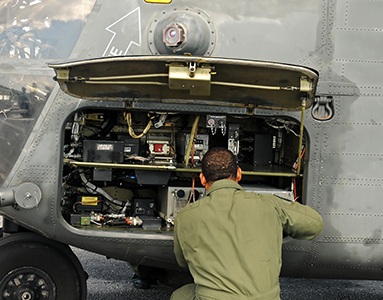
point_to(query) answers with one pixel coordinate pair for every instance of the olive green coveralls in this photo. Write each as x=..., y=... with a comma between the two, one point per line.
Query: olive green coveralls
x=231, y=242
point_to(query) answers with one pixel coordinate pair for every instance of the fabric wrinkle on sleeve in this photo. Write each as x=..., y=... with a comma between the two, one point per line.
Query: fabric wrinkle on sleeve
x=299, y=221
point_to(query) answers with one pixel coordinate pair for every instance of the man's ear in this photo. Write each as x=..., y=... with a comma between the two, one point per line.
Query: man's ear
x=203, y=179
x=239, y=175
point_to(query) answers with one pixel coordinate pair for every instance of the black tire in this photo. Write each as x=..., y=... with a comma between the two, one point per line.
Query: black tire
x=37, y=268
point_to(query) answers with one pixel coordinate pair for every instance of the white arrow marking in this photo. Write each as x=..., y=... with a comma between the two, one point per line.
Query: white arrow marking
x=126, y=32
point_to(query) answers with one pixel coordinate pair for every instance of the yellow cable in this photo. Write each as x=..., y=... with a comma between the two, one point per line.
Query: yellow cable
x=128, y=117
x=191, y=140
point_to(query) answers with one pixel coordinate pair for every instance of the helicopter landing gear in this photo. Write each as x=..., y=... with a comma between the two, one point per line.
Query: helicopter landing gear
x=34, y=268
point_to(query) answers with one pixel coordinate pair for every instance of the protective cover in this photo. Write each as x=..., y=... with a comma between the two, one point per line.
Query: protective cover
x=237, y=82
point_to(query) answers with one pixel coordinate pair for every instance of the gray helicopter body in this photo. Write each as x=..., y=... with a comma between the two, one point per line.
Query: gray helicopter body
x=107, y=108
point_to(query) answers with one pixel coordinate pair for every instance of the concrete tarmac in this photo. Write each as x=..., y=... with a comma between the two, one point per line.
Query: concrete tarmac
x=109, y=279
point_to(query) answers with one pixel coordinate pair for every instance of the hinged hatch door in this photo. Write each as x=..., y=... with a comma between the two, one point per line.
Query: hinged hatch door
x=252, y=83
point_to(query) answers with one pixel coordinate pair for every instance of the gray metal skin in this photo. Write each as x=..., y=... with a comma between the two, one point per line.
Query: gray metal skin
x=340, y=39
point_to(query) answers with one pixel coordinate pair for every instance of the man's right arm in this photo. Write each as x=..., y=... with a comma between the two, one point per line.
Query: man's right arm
x=299, y=221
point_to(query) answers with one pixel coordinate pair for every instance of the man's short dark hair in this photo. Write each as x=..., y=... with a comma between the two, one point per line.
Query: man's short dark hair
x=219, y=163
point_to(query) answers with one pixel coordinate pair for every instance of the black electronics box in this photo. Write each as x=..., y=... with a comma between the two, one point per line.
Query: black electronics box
x=131, y=145
x=143, y=207
x=88, y=203
x=263, y=149
x=103, y=151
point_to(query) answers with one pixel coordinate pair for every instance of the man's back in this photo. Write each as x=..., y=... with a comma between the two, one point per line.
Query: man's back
x=232, y=240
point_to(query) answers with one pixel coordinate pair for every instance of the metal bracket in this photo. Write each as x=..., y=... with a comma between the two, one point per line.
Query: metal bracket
x=161, y=121
x=194, y=78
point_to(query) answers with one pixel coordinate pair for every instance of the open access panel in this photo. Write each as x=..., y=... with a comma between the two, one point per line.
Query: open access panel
x=135, y=168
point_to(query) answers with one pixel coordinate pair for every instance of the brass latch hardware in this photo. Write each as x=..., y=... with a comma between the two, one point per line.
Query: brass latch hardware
x=62, y=74
x=306, y=84
x=190, y=77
